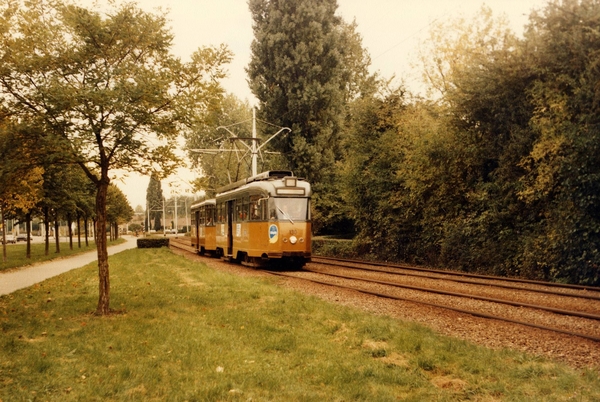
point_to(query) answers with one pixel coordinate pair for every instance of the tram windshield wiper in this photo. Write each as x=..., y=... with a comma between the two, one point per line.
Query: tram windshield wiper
x=285, y=215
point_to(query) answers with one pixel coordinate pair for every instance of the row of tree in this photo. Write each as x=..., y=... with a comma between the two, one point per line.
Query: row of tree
x=496, y=171
x=34, y=187
x=97, y=90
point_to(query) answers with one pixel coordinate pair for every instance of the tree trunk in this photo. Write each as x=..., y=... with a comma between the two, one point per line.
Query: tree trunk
x=28, y=231
x=70, y=229
x=78, y=231
x=101, y=246
x=3, y=235
x=57, y=234
x=87, y=233
x=47, y=228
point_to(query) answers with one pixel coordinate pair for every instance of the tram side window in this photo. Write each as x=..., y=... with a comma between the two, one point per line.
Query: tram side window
x=238, y=210
x=210, y=215
x=255, y=208
x=202, y=216
x=193, y=230
x=245, y=208
x=241, y=209
x=221, y=213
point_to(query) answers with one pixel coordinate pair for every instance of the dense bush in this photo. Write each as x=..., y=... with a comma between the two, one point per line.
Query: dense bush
x=328, y=247
x=152, y=243
x=502, y=175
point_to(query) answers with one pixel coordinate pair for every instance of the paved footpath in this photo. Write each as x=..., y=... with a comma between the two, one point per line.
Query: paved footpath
x=25, y=277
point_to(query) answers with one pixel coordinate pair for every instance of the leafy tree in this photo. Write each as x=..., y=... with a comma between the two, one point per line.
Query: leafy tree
x=224, y=160
x=118, y=210
x=488, y=118
x=85, y=202
x=20, y=177
x=524, y=114
x=373, y=155
x=562, y=184
x=297, y=73
x=80, y=199
x=306, y=65
x=456, y=45
x=135, y=227
x=62, y=186
x=505, y=177
x=106, y=89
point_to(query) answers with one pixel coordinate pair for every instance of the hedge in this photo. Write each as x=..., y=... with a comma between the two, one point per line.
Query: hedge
x=152, y=243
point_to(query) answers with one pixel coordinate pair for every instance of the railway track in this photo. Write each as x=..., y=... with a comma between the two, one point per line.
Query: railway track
x=570, y=310
x=431, y=273
x=592, y=294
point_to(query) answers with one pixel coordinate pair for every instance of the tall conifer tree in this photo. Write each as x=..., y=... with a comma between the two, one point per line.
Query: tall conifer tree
x=306, y=65
x=301, y=74
x=154, y=196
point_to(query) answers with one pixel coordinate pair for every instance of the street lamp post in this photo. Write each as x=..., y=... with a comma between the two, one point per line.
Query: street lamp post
x=187, y=219
x=176, y=228
x=164, y=219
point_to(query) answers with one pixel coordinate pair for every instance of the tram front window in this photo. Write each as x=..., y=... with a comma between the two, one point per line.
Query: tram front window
x=292, y=209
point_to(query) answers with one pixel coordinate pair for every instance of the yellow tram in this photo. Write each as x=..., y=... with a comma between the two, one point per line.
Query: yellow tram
x=203, y=230
x=260, y=220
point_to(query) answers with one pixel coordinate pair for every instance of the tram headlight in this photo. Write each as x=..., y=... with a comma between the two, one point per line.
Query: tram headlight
x=293, y=239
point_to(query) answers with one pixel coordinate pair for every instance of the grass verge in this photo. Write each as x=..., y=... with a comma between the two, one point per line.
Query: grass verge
x=16, y=254
x=188, y=332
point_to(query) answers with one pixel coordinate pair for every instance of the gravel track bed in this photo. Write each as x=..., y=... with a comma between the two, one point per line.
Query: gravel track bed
x=575, y=351
x=539, y=317
x=485, y=290
x=484, y=282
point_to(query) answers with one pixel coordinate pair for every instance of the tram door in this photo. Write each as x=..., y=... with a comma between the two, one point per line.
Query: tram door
x=196, y=231
x=230, y=214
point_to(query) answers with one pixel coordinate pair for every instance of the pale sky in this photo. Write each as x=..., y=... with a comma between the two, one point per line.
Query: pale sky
x=391, y=31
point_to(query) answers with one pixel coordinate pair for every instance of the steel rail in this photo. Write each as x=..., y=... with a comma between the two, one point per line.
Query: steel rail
x=473, y=313
x=183, y=246
x=466, y=295
x=465, y=274
x=459, y=280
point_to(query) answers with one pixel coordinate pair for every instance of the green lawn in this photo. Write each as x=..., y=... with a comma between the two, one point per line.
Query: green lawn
x=186, y=332
x=16, y=254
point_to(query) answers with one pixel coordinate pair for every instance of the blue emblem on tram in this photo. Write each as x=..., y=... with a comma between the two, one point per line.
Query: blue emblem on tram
x=273, y=233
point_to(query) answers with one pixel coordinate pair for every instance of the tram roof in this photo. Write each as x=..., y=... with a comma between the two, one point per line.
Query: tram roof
x=264, y=176
x=210, y=201
x=273, y=182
